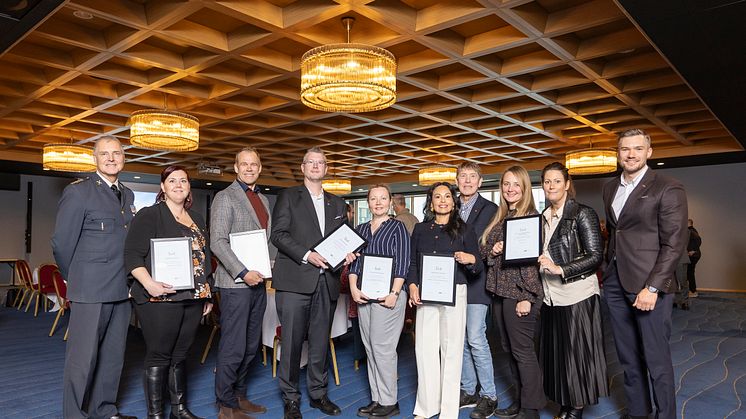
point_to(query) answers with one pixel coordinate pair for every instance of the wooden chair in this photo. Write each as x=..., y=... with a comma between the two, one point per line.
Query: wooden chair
x=23, y=274
x=276, y=345
x=44, y=286
x=214, y=319
x=60, y=288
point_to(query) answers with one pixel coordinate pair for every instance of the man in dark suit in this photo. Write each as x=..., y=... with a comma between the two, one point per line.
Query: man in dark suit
x=646, y=216
x=307, y=289
x=88, y=245
x=477, y=364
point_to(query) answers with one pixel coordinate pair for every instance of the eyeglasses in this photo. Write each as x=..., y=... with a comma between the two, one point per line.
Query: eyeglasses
x=315, y=162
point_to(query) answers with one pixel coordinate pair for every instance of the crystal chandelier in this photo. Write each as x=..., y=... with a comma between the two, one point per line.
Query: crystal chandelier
x=435, y=174
x=68, y=158
x=591, y=161
x=348, y=77
x=163, y=130
x=337, y=186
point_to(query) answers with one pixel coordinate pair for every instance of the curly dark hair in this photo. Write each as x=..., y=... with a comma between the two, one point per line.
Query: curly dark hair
x=455, y=226
x=164, y=175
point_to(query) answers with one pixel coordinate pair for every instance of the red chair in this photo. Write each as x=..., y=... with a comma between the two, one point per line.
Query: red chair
x=44, y=286
x=23, y=273
x=60, y=288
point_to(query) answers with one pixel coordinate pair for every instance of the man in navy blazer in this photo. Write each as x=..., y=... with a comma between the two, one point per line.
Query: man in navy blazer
x=307, y=289
x=477, y=364
x=88, y=245
x=646, y=214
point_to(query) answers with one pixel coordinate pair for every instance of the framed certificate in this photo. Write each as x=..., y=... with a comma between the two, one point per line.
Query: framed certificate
x=250, y=247
x=171, y=262
x=522, y=243
x=438, y=278
x=335, y=246
x=376, y=275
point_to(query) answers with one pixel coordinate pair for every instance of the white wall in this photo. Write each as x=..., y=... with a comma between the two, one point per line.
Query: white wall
x=716, y=204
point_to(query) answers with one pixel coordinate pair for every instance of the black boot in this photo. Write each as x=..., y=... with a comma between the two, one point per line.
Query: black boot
x=154, y=379
x=177, y=389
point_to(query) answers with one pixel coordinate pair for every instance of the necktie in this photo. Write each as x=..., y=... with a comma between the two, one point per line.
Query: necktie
x=117, y=192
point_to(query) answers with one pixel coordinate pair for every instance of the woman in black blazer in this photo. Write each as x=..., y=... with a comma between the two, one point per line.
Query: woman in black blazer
x=169, y=318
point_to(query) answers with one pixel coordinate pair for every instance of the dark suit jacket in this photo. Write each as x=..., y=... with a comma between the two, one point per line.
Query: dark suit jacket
x=88, y=240
x=157, y=222
x=295, y=229
x=650, y=234
x=481, y=215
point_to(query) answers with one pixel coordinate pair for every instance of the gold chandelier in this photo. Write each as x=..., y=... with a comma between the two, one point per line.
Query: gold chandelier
x=164, y=130
x=68, y=158
x=348, y=77
x=591, y=161
x=434, y=174
x=337, y=186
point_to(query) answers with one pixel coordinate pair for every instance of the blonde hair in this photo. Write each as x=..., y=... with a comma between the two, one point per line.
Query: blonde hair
x=522, y=207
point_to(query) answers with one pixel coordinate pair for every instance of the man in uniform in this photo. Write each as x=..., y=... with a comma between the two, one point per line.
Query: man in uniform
x=88, y=245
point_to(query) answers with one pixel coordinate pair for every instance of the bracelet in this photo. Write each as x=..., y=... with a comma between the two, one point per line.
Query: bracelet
x=396, y=293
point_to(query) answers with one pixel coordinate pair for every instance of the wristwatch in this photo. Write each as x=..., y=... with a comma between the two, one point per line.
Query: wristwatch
x=653, y=289
x=396, y=293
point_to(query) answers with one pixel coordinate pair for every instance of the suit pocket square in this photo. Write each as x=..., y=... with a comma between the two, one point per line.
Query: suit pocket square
x=643, y=197
x=338, y=217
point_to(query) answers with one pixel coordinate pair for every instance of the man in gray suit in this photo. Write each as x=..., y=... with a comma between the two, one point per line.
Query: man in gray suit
x=88, y=245
x=238, y=208
x=307, y=290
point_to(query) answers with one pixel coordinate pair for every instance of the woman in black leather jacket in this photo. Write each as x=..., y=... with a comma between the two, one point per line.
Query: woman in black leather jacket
x=571, y=349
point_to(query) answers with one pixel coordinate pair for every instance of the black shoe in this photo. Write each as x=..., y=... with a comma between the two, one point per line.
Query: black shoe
x=121, y=416
x=178, y=391
x=485, y=408
x=509, y=411
x=467, y=400
x=562, y=413
x=574, y=413
x=364, y=411
x=527, y=414
x=385, y=411
x=326, y=406
x=292, y=410
x=685, y=306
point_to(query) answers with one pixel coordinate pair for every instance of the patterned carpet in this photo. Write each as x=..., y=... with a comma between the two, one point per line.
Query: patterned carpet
x=708, y=346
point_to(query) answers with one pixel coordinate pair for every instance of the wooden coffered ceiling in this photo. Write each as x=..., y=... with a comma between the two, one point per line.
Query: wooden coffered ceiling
x=490, y=81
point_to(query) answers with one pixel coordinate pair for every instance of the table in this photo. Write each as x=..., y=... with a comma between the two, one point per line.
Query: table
x=12, y=264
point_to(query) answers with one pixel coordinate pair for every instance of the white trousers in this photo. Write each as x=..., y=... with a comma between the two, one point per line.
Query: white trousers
x=439, y=348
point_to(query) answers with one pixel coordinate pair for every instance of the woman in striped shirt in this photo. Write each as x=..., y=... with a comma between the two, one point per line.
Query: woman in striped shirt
x=381, y=319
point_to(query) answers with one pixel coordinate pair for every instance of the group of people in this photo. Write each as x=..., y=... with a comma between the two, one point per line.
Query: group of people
x=100, y=239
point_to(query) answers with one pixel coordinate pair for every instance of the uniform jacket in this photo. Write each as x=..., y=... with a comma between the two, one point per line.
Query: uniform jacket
x=480, y=216
x=88, y=240
x=295, y=229
x=650, y=234
x=232, y=212
x=576, y=245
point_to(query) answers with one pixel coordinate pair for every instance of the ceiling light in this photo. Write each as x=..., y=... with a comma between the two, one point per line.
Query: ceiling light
x=82, y=14
x=348, y=77
x=434, y=174
x=337, y=186
x=591, y=161
x=163, y=130
x=208, y=183
x=136, y=177
x=68, y=158
x=660, y=163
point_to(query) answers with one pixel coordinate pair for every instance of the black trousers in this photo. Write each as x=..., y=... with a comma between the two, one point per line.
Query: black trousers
x=517, y=337
x=241, y=314
x=304, y=315
x=94, y=358
x=641, y=339
x=690, y=273
x=169, y=329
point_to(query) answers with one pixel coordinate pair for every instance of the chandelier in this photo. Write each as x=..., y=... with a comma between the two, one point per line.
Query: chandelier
x=164, y=130
x=348, y=77
x=68, y=158
x=337, y=186
x=434, y=174
x=591, y=161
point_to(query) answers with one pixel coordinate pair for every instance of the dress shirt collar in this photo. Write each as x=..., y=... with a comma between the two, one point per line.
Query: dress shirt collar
x=116, y=182
x=256, y=189
x=467, y=206
x=634, y=181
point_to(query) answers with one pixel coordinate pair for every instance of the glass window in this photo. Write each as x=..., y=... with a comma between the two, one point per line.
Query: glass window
x=486, y=195
x=362, y=212
x=418, y=205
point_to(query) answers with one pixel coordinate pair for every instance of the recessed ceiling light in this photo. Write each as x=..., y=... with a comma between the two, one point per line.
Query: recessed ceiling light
x=81, y=14
x=136, y=177
x=266, y=189
x=414, y=184
x=208, y=183
x=660, y=163
x=361, y=190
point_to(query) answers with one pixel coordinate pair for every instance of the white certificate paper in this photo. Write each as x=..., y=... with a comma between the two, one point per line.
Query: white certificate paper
x=171, y=262
x=250, y=247
x=522, y=239
x=338, y=244
x=438, y=279
x=376, y=275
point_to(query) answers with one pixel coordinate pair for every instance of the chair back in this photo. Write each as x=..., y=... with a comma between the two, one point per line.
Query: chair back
x=23, y=273
x=60, y=288
x=46, y=282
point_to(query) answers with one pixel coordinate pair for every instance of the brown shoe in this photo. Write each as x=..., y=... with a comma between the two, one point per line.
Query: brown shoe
x=249, y=407
x=232, y=413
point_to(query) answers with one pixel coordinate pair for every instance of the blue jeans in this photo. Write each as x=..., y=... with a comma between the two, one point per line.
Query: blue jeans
x=477, y=363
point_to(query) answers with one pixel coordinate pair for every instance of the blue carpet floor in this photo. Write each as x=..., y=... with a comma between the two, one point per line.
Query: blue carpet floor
x=708, y=345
